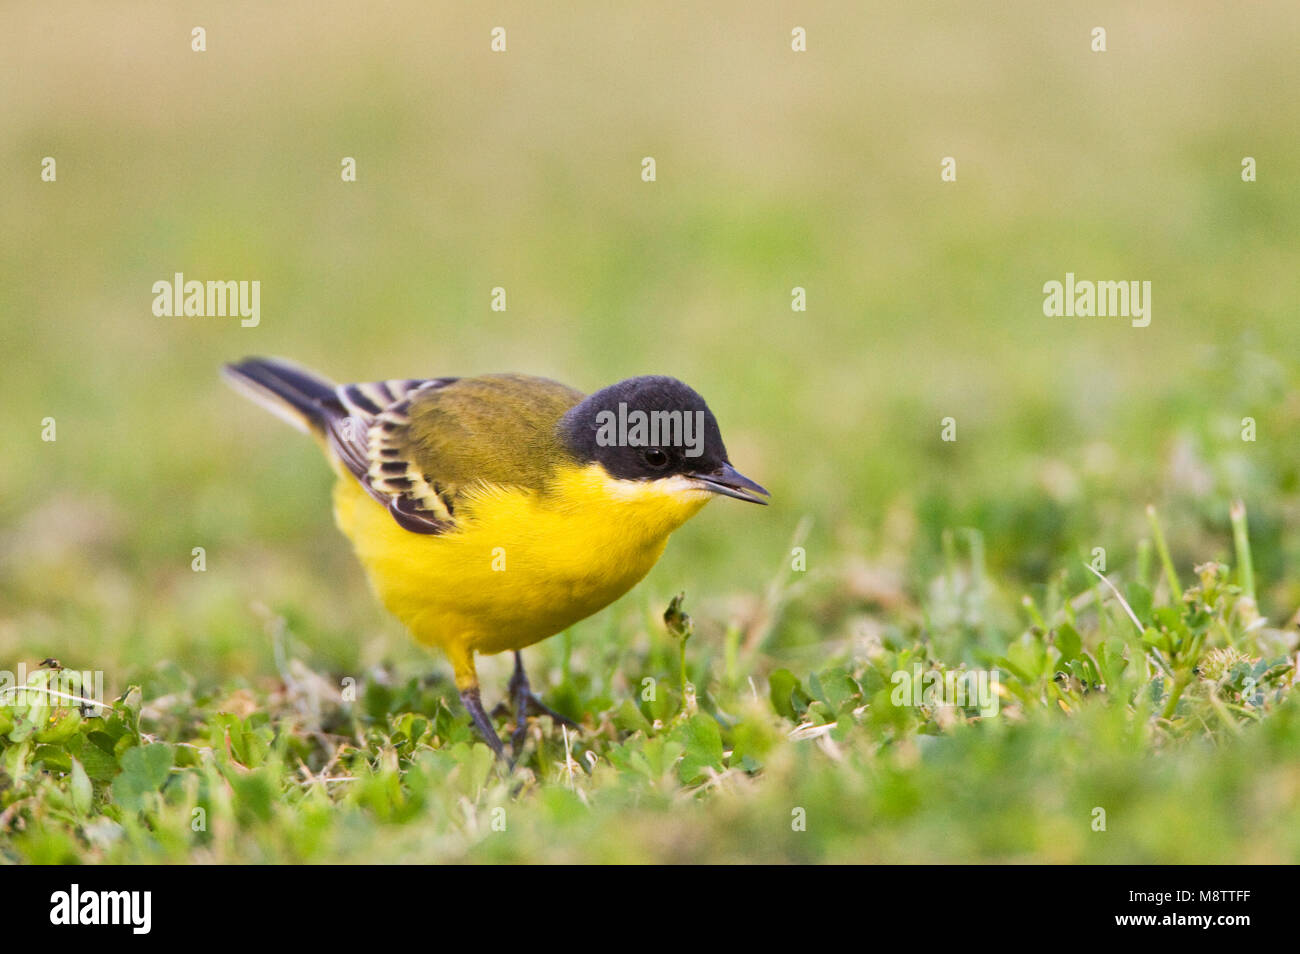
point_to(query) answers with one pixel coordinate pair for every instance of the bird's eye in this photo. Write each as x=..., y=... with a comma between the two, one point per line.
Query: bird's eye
x=656, y=458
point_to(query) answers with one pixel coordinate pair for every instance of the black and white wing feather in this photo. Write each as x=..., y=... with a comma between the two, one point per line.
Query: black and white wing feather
x=372, y=441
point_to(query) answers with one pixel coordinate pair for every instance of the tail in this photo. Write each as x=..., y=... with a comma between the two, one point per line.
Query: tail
x=292, y=393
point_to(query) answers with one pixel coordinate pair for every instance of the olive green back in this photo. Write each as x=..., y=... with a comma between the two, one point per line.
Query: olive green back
x=497, y=428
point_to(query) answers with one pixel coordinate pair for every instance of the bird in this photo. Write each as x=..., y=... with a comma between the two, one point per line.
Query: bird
x=491, y=512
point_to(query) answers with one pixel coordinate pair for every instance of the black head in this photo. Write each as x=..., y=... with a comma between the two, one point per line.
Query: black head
x=652, y=427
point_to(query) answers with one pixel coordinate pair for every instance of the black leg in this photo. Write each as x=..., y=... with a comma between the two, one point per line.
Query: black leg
x=474, y=703
x=519, y=693
x=526, y=703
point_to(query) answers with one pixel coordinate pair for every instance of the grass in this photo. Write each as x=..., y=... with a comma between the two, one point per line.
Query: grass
x=1162, y=695
x=1125, y=728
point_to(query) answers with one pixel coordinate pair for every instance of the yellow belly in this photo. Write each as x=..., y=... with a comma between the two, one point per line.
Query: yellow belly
x=520, y=566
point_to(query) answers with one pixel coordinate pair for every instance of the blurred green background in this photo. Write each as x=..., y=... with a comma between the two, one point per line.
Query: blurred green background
x=775, y=169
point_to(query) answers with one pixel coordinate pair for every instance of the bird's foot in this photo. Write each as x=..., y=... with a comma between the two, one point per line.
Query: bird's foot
x=537, y=707
x=526, y=704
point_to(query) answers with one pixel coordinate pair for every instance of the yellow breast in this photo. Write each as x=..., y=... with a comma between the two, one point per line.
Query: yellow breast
x=520, y=565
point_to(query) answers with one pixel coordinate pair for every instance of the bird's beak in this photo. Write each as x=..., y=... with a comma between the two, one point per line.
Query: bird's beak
x=730, y=482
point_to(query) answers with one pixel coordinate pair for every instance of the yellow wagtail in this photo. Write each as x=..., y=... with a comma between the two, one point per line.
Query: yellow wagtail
x=492, y=512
